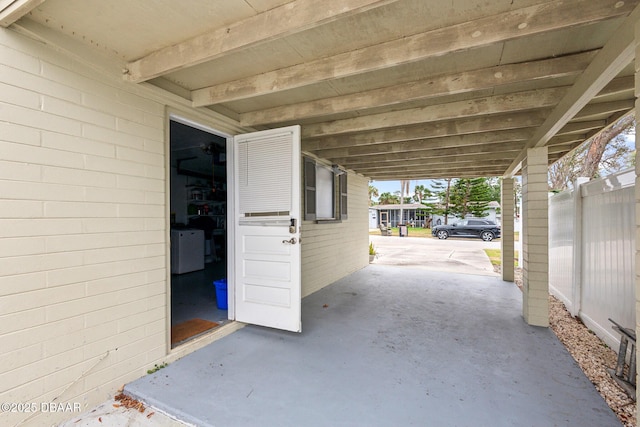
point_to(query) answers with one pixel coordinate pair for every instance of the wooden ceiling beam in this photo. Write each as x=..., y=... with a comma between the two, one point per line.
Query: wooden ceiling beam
x=582, y=127
x=495, y=149
x=420, y=158
x=443, y=85
x=499, y=104
x=618, y=85
x=448, y=161
x=12, y=10
x=493, y=164
x=469, y=142
x=566, y=140
x=563, y=149
x=595, y=110
x=431, y=174
x=536, y=19
x=464, y=126
x=285, y=20
x=608, y=63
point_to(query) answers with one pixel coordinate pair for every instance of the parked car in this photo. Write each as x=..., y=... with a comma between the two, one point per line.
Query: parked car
x=472, y=227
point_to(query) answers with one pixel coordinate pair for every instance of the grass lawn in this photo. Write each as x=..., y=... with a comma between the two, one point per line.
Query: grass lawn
x=494, y=256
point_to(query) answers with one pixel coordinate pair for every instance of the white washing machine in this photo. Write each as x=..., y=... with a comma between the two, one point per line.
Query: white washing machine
x=187, y=251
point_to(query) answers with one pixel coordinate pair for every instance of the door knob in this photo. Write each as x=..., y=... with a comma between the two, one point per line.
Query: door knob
x=291, y=241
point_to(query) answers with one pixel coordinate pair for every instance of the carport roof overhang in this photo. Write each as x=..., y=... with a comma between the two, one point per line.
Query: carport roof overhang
x=390, y=89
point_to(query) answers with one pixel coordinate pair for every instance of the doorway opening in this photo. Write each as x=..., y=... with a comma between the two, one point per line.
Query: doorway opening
x=198, y=200
x=384, y=219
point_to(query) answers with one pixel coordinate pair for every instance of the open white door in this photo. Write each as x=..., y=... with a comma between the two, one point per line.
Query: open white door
x=267, y=228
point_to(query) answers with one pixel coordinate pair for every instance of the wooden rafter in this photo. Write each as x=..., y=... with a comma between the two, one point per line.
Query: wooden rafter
x=12, y=10
x=485, y=85
x=604, y=108
x=285, y=20
x=619, y=85
x=424, y=160
x=499, y=104
x=448, y=84
x=459, y=141
x=464, y=126
x=485, y=31
x=614, y=57
x=443, y=166
x=581, y=127
x=428, y=173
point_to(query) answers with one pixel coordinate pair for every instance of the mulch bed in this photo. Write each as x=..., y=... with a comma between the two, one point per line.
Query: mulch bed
x=594, y=357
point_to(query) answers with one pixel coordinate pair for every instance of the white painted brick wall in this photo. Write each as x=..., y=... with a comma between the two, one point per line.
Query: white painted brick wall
x=331, y=251
x=82, y=230
x=534, y=236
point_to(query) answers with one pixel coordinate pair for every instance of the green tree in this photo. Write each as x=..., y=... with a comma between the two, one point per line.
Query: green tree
x=470, y=196
x=388, y=199
x=605, y=153
x=442, y=189
x=495, y=185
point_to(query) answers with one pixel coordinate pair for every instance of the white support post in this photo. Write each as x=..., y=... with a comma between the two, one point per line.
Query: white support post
x=535, y=238
x=507, y=232
x=576, y=285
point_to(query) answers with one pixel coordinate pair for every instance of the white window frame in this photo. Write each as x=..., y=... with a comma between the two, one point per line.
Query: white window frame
x=325, y=195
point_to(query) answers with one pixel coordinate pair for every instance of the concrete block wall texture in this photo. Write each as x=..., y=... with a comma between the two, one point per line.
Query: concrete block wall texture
x=84, y=229
x=535, y=240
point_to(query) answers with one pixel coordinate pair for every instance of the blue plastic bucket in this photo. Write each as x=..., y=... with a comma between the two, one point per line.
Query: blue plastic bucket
x=221, y=293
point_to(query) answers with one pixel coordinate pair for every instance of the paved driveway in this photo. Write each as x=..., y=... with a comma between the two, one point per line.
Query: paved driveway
x=458, y=255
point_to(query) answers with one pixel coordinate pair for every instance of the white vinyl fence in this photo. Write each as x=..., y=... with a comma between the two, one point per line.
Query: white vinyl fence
x=592, y=252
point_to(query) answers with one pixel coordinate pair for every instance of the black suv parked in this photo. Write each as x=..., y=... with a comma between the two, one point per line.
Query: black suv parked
x=472, y=227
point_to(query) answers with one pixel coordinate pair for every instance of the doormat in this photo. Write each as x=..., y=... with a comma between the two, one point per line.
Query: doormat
x=190, y=328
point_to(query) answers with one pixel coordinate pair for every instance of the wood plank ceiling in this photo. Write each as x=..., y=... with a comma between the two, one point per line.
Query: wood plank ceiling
x=391, y=89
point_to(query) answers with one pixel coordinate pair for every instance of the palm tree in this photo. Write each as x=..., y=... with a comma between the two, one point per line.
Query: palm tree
x=373, y=192
x=388, y=199
x=420, y=193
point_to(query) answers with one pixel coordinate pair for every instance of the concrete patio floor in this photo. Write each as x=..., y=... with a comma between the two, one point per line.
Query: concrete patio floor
x=386, y=346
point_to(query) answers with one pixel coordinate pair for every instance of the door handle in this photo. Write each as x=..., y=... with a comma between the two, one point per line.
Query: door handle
x=291, y=241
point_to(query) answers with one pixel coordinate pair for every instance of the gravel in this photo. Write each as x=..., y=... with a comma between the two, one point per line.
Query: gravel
x=593, y=357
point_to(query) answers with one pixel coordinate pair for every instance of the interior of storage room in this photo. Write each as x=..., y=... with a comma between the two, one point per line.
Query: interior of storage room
x=198, y=198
